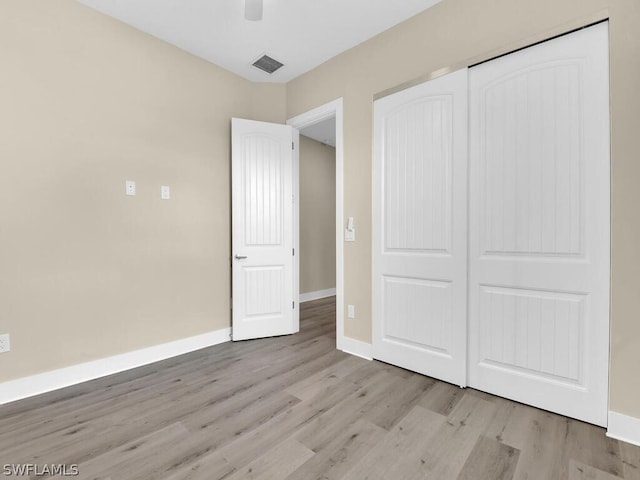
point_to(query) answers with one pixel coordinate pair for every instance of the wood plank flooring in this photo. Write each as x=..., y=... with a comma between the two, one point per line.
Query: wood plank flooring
x=294, y=407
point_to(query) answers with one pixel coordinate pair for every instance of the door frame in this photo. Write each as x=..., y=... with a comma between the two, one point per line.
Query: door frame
x=306, y=119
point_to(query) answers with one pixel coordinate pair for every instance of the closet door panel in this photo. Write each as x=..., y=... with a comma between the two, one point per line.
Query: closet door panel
x=539, y=225
x=420, y=248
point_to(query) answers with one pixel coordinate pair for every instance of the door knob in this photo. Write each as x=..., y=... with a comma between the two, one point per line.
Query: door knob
x=240, y=257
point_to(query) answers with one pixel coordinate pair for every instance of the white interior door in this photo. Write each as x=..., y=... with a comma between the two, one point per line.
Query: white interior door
x=539, y=223
x=420, y=228
x=262, y=230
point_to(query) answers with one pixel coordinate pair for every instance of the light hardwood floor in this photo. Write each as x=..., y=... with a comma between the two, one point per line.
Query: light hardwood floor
x=294, y=407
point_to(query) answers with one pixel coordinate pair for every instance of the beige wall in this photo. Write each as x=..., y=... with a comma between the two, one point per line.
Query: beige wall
x=317, y=216
x=464, y=32
x=88, y=102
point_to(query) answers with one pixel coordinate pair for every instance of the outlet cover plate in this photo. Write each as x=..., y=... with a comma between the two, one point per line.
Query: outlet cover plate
x=5, y=343
x=350, y=235
x=130, y=187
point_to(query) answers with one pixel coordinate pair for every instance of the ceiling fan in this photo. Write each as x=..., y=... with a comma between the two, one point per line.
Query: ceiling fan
x=253, y=10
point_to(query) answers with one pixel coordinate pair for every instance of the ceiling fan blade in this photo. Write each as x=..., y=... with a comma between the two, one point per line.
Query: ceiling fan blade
x=253, y=10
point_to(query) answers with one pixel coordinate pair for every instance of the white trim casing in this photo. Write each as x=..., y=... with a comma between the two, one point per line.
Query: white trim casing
x=307, y=297
x=323, y=112
x=296, y=229
x=357, y=348
x=623, y=427
x=20, y=388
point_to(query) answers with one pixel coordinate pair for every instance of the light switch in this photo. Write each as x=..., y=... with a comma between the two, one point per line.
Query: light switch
x=130, y=187
x=350, y=231
x=165, y=192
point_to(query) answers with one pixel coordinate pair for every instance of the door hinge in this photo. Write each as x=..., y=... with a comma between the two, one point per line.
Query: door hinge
x=293, y=146
x=293, y=305
x=293, y=252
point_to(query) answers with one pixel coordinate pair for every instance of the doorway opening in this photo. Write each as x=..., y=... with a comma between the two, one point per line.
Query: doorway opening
x=317, y=177
x=318, y=207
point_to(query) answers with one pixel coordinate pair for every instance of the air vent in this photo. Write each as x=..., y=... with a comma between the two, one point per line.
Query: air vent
x=267, y=64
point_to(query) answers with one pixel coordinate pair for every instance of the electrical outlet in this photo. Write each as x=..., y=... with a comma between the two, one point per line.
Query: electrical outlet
x=351, y=311
x=350, y=235
x=130, y=187
x=165, y=192
x=5, y=344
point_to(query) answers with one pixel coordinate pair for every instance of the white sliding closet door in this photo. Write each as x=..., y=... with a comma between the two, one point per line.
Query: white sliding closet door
x=539, y=225
x=420, y=228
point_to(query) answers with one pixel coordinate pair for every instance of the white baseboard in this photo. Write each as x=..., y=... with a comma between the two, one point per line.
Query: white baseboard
x=356, y=347
x=623, y=427
x=13, y=390
x=307, y=297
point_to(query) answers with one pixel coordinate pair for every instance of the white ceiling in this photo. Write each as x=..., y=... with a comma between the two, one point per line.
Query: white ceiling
x=302, y=34
x=323, y=132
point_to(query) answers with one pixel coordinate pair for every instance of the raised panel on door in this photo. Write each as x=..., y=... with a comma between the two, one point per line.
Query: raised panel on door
x=420, y=228
x=539, y=225
x=262, y=230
